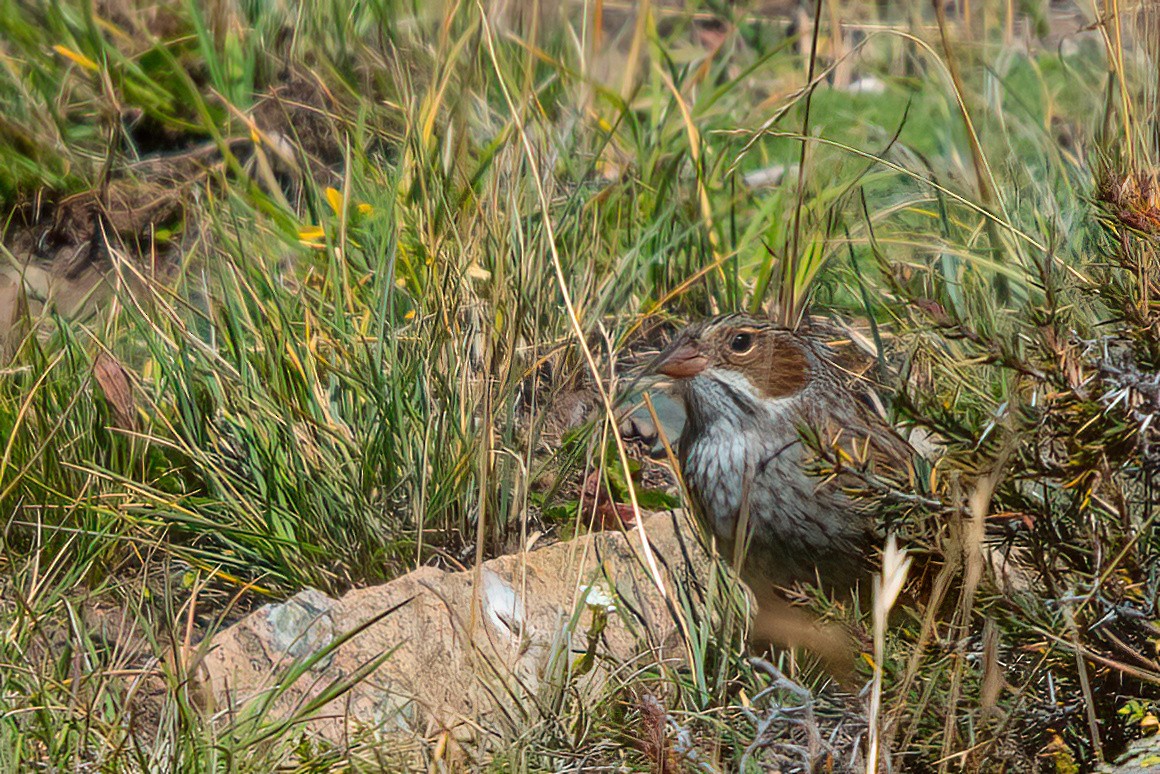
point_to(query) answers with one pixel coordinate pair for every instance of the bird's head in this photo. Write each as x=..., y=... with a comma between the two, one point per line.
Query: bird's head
x=736, y=364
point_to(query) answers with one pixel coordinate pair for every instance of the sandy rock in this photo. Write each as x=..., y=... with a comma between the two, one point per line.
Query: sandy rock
x=1142, y=757
x=771, y=176
x=446, y=659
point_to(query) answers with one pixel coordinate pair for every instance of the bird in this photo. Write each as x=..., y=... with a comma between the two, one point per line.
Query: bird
x=765, y=406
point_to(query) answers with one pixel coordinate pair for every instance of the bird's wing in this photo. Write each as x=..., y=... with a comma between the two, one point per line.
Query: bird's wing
x=860, y=451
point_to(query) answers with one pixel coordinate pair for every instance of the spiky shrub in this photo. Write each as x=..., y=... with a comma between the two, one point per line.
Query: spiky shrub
x=1046, y=532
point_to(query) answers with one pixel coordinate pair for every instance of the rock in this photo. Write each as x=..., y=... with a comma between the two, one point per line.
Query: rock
x=638, y=426
x=433, y=657
x=302, y=626
x=1142, y=757
x=670, y=412
x=867, y=84
x=769, y=177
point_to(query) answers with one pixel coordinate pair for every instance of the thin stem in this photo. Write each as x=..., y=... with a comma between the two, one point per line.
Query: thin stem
x=789, y=275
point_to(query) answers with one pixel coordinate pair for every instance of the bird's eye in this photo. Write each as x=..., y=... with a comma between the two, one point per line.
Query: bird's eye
x=742, y=342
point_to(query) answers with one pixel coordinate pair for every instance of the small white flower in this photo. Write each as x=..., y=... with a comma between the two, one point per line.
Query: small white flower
x=598, y=596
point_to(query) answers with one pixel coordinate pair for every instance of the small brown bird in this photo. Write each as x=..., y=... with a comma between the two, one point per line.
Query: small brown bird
x=752, y=390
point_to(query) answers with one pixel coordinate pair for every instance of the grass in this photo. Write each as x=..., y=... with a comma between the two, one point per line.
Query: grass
x=395, y=206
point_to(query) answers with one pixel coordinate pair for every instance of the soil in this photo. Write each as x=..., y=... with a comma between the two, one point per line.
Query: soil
x=64, y=246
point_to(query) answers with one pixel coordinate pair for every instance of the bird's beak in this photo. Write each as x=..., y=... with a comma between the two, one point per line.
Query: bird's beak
x=681, y=361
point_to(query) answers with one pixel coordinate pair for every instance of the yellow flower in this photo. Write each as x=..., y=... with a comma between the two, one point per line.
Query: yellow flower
x=77, y=57
x=334, y=199
x=312, y=236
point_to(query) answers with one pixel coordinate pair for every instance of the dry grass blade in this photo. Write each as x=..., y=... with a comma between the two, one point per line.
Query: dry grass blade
x=574, y=320
x=887, y=586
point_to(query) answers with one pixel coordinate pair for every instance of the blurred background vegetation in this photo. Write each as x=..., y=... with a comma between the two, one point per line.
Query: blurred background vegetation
x=288, y=293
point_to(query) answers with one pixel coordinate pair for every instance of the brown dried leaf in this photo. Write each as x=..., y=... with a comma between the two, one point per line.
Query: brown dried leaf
x=653, y=739
x=113, y=380
x=607, y=515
